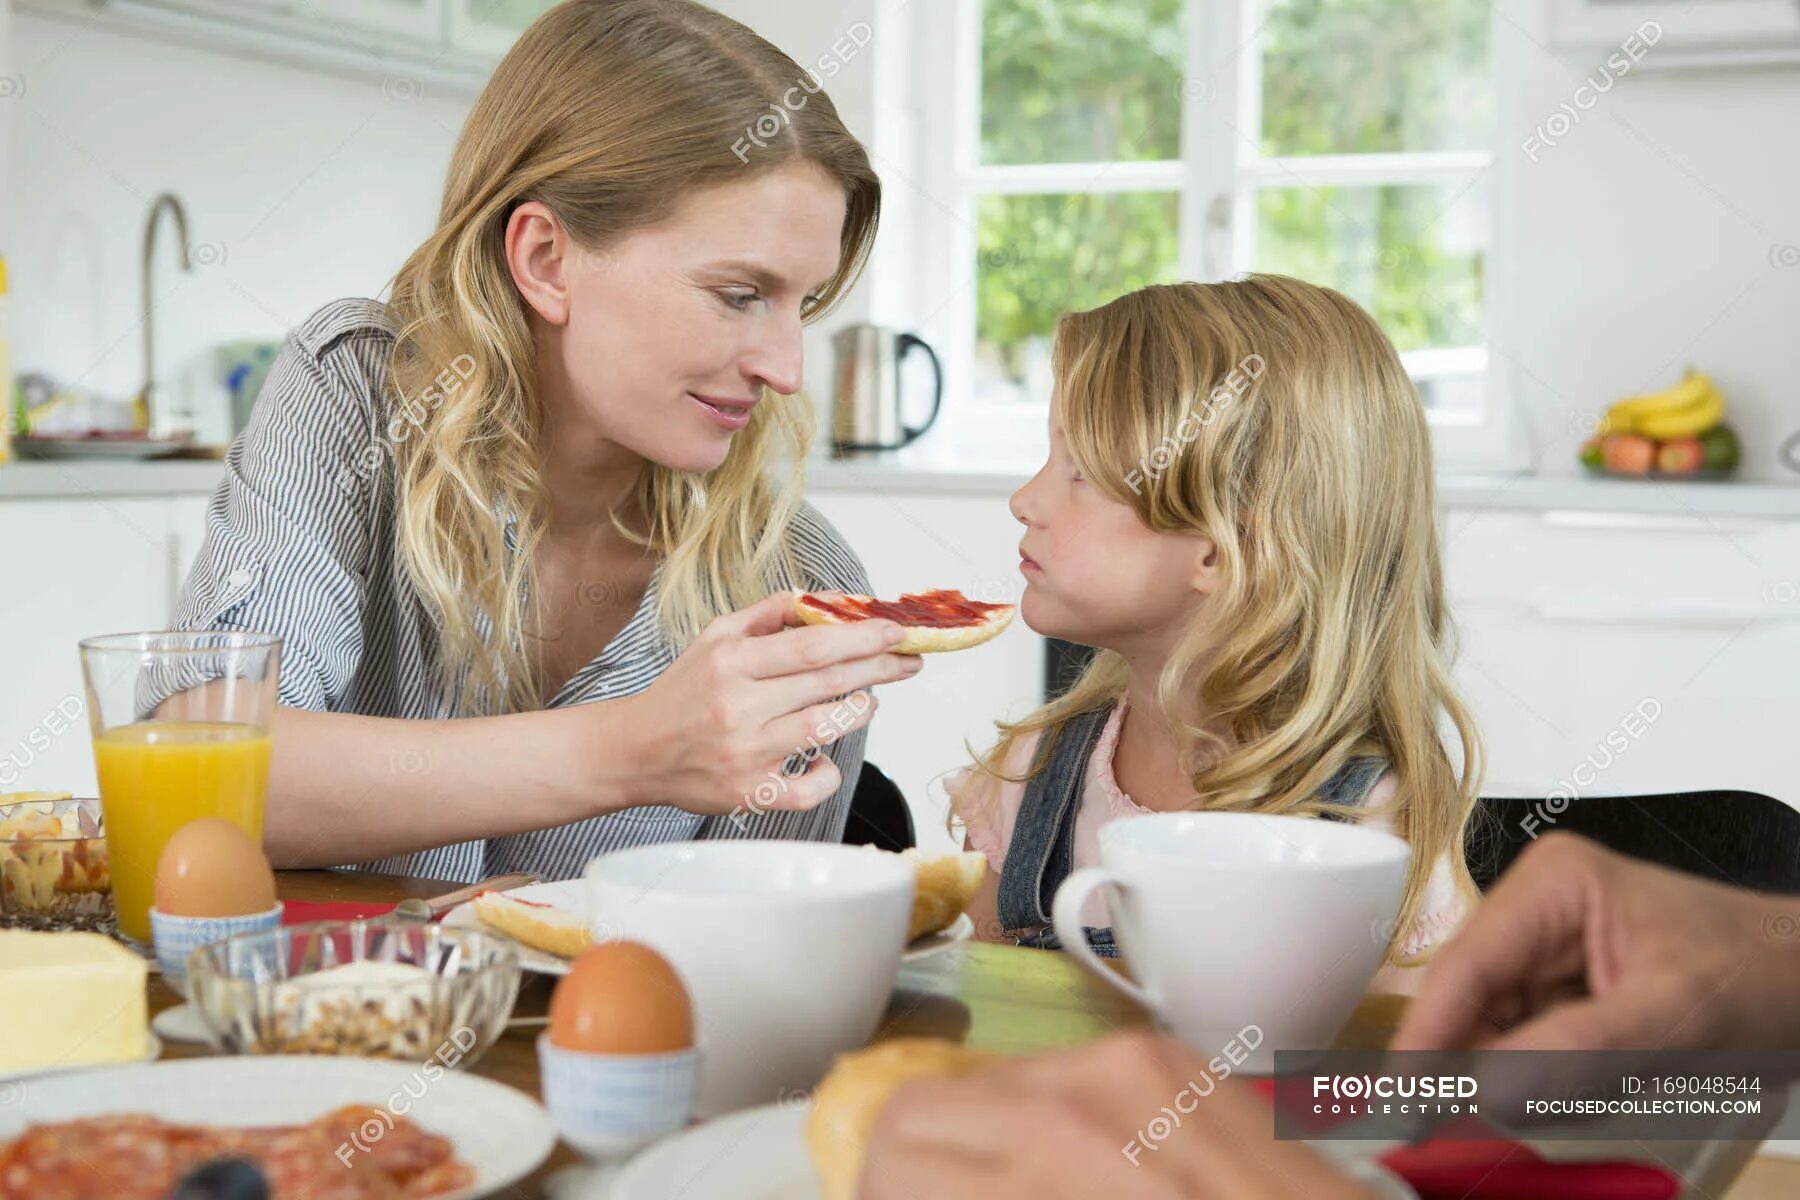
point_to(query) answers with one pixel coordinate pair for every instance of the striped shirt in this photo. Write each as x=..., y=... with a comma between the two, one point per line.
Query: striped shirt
x=301, y=542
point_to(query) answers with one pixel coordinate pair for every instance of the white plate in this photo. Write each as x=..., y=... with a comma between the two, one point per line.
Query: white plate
x=499, y=1131
x=153, y=1048
x=570, y=895
x=757, y=1154
x=959, y=930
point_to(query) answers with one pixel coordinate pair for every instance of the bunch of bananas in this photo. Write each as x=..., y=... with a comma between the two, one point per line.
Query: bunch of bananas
x=1677, y=431
x=1688, y=409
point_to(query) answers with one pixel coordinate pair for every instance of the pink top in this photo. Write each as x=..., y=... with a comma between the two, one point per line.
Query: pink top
x=988, y=819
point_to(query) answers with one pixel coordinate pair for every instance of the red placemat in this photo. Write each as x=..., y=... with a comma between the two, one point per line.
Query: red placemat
x=298, y=912
x=1502, y=1169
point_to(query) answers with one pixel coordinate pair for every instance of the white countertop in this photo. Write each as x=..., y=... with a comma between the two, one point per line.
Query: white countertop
x=904, y=473
x=910, y=472
x=85, y=479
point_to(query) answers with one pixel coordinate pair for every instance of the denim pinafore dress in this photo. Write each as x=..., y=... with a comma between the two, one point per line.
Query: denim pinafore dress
x=1041, y=853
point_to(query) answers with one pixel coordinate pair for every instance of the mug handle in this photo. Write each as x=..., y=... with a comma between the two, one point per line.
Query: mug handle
x=1065, y=917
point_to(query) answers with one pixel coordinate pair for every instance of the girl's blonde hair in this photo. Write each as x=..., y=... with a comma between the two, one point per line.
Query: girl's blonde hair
x=608, y=112
x=1275, y=417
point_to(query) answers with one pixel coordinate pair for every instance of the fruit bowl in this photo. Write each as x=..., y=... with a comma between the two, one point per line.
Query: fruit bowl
x=54, y=869
x=1679, y=433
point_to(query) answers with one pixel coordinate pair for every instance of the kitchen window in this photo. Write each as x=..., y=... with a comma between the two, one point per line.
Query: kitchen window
x=1090, y=147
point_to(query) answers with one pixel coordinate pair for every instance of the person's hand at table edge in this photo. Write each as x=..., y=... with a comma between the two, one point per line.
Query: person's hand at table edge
x=1580, y=948
x=1081, y=1123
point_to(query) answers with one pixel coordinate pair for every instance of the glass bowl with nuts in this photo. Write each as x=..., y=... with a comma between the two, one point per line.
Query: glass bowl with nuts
x=375, y=988
x=54, y=869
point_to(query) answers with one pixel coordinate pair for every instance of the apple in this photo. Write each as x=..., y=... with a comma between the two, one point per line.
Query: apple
x=1680, y=456
x=1628, y=454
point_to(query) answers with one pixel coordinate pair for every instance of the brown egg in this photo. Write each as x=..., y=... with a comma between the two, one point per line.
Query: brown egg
x=621, y=998
x=211, y=868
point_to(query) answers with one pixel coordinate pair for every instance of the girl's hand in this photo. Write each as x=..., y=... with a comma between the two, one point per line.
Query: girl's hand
x=755, y=688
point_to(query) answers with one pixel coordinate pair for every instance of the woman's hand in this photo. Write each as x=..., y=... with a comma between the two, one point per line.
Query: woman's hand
x=755, y=688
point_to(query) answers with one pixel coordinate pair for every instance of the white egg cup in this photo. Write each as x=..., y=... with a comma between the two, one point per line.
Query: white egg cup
x=177, y=937
x=607, y=1105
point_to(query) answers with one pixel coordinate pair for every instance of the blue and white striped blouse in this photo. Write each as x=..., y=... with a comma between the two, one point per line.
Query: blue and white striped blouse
x=300, y=542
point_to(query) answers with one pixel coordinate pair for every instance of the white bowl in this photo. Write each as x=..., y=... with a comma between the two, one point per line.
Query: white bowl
x=788, y=949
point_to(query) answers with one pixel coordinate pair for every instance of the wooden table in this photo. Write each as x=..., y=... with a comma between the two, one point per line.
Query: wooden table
x=996, y=997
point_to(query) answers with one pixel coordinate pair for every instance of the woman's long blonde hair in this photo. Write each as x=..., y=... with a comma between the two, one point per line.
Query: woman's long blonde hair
x=608, y=112
x=1275, y=417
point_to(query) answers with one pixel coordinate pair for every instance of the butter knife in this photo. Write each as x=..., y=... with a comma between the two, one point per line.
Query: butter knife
x=415, y=909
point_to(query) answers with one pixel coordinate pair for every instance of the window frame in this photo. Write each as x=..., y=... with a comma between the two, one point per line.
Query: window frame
x=1216, y=180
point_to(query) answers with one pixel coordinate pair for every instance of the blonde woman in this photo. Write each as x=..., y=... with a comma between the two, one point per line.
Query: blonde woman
x=525, y=527
x=1237, y=513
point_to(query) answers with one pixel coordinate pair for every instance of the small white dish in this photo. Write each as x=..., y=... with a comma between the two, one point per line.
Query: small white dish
x=183, y=1023
x=153, y=1049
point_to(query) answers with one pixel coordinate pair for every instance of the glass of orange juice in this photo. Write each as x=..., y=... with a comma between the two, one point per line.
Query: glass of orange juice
x=181, y=731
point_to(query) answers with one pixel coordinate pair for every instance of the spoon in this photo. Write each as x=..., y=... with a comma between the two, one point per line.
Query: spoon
x=415, y=909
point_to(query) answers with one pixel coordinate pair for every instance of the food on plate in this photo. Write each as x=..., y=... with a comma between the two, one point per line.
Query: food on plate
x=935, y=621
x=540, y=926
x=848, y=1099
x=211, y=868
x=69, y=999
x=134, y=1157
x=621, y=998
x=946, y=885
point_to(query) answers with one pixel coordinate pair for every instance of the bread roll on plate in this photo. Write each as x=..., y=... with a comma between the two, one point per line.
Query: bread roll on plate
x=848, y=1100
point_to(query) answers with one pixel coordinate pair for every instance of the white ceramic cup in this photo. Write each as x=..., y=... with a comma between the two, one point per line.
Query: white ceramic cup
x=1244, y=931
x=789, y=951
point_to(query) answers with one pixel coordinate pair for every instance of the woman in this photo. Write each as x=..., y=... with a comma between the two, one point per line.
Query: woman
x=535, y=490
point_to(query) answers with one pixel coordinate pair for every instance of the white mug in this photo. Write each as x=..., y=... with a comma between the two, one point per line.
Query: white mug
x=1244, y=930
x=789, y=951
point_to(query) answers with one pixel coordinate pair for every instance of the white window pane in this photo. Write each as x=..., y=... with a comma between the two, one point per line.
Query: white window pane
x=1080, y=80
x=1042, y=256
x=1413, y=256
x=1375, y=76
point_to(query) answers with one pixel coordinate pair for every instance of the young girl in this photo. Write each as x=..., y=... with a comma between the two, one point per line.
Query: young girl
x=1237, y=514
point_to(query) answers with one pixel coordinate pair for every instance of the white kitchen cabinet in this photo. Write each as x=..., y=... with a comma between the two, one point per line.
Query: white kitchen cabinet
x=74, y=569
x=1572, y=623
x=913, y=542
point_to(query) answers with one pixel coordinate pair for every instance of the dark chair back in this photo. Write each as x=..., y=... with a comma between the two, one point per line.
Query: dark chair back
x=1741, y=838
x=878, y=813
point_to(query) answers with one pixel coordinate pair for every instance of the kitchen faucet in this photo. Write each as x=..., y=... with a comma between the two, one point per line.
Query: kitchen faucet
x=141, y=407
